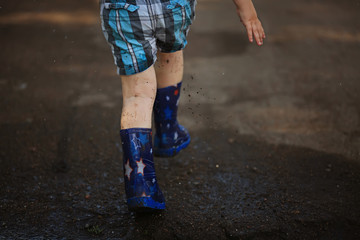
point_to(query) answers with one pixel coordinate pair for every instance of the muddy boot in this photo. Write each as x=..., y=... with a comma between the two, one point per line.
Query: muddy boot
x=142, y=190
x=170, y=136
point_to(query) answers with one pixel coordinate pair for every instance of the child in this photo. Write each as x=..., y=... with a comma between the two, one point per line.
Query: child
x=147, y=38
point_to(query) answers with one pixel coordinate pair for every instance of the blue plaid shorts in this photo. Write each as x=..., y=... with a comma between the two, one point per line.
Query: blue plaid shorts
x=137, y=29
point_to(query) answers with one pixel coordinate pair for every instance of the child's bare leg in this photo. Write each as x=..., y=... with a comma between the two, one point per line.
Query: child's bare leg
x=141, y=187
x=170, y=136
x=169, y=68
x=139, y=92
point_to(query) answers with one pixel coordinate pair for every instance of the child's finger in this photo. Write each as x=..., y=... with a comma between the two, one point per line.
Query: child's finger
x=262, y=31
x=257, y=35
x=249, y=32
x=260, y=28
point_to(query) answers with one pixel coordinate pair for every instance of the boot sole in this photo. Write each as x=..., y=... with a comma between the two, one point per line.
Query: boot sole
x=171, y=152
x=144, y=204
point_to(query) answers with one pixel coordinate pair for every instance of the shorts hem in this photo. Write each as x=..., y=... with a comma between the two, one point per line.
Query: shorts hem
x=172, y=50
x=122, y=71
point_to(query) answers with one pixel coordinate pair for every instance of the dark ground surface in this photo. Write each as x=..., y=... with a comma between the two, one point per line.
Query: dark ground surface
x=276, y=130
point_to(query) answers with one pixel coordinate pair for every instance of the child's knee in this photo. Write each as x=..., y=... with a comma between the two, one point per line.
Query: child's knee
x=144, y=91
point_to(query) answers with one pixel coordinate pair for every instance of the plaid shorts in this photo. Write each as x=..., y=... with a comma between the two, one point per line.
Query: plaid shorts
x=137, y=29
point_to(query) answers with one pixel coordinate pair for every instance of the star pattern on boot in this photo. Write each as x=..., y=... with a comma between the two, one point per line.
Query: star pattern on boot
x=136, y=143
x=143, y=138
x=128, y=169
x=144, y=195
x=140, y=166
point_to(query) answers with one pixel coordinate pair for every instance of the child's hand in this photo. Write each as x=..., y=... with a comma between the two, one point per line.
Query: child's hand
x=247, y=14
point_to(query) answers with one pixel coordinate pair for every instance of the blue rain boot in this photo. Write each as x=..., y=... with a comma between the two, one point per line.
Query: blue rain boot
x=170, y=136
x=142, y=191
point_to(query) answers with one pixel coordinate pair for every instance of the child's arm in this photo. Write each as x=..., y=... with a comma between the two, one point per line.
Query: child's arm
x=247, y=14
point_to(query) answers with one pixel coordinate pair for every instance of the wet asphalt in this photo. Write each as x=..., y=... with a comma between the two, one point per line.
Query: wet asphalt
x=275, y=151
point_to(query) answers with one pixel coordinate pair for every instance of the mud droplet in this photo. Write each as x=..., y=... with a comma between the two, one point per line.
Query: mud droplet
x=231, y=140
